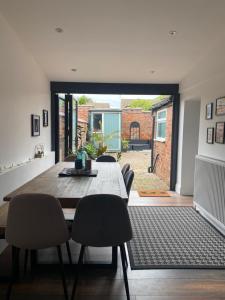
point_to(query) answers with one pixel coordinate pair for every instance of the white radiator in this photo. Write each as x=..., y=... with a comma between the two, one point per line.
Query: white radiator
x=209, y=189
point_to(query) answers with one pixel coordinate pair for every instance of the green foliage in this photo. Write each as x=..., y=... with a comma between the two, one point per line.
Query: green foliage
x=91, y=150
x=125, y=144
x=83, y=100
x=118, y=156
x=145, y=104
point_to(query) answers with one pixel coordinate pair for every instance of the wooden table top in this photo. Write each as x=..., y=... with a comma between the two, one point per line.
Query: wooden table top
x=70, y=189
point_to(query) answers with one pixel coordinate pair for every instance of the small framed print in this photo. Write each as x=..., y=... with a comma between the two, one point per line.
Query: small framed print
x=210, y=135
x=35, y=125
x=45, y=118
x=220, y=133
x=209, y=111
x=220, y=106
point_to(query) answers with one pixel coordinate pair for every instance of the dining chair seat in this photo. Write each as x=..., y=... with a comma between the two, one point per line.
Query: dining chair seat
x=105, y=158
x=125, y=169
x=35, y=221
x=128, y=180
x=101, y=221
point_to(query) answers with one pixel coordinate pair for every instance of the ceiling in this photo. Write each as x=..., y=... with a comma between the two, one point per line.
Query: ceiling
x=117, y=40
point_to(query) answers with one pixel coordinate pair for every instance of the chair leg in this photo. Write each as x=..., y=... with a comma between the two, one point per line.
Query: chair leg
x=123, y=255
x=62, y=272
x=80, y=261
x=69, y=252
x=114, y=257
x=33, y=262
x=25, y=261
x=15, y=270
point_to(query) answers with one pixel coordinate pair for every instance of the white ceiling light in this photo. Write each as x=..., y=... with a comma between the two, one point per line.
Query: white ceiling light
x=172, y=32
x=59, y=29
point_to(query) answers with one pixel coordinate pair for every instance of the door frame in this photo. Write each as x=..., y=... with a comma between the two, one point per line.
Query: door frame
x=57, y=87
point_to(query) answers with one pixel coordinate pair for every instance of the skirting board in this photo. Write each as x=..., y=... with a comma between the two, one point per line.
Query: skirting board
x=212, y=220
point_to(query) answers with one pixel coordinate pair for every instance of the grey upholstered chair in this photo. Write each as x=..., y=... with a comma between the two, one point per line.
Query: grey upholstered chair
x=35, y=221
x=102, y=221
x=128, y=180
x=125, y=169
x=105, y=158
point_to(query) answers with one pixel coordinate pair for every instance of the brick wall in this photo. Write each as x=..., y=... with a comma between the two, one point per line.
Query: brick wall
x=144, y=118
x=164, y=150
x=83, y=111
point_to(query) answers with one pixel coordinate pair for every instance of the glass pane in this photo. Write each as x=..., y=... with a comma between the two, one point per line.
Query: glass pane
x=61, y=129
x=161, y=130
x=162, y=114
x=74, y=125
x=97, y=122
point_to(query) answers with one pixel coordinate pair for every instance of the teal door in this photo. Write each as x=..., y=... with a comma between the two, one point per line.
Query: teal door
x=112, y=130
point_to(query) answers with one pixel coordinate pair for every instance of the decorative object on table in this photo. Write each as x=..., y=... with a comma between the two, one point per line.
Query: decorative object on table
x=81, y=156
x=45, y=117
x=71, y=172
x=78, y=164
x=220, y=106
x=220, y=133
x=35, y=125
x=210, y=135
x=88, y=164
x=39, y=151
x=209, y=111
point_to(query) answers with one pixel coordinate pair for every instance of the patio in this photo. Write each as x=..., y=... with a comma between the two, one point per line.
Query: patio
x=140, y=161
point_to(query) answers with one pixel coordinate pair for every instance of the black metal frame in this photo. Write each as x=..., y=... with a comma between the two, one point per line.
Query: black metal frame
x=118, y=88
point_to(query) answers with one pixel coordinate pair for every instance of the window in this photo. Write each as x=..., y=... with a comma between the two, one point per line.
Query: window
x=97, y=122
x=134, y=131
x=161, y=125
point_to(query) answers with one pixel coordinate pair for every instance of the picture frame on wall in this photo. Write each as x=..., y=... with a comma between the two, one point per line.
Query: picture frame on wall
x=220, y=106
x=45, y=117
x=220, y=133
x=210, y=135
x=209, y=111
x=35, y=125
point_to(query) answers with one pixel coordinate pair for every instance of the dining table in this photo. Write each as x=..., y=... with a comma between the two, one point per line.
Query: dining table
x=70, y=189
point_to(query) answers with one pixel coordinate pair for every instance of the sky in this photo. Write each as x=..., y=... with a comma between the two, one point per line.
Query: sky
x=114, y=100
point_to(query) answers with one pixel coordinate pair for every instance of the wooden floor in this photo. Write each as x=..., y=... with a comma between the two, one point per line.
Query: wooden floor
x=105, y=284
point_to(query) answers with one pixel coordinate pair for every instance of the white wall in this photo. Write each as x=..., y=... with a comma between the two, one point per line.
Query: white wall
x=24, y=90
x=190, y=136
x=206, y=82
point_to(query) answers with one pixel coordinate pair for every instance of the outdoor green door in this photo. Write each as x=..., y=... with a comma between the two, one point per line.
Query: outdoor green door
x=112, y=131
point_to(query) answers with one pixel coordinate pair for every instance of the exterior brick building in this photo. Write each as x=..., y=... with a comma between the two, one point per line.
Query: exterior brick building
x=136, y=116
x=163, y=139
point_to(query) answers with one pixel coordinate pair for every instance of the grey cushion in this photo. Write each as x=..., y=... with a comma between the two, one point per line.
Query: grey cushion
x=35, y=221
x=101, y=221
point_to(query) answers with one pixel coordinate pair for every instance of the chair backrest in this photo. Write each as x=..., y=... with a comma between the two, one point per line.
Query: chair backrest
x=101, y=221
x=35, y=221
x=125, y=169
x=106, y=158
x=128, y=179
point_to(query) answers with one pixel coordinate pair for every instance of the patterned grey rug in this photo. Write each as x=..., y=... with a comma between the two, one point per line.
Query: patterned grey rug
x=173, y=238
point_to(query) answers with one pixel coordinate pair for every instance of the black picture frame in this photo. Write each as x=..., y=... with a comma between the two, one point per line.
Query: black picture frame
x=220, y=106
x=209, y=111
x=220, y=133
x=210, y=135
x=45, y=117
x=35, y=125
